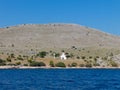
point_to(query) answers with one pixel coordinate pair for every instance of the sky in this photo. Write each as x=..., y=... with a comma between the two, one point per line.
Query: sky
x=100, y=14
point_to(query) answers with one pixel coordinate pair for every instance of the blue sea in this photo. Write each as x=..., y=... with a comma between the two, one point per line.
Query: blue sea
x=60, y=79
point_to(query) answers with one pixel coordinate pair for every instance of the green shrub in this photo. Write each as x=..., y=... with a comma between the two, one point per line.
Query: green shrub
x=19, y=57
x=113, y=64
x=88, y=65
x=42, y=54
x=25, y=64
x=78, y=57
x=30, y=61
x=9, y=59
x=2, y=62
x=12, y=55
x=90, y=57
x=60, y=64
x=96, y=64
x=34, y=63
x=18, y=63
x=51, y=64
x=57, y=54
x=73, y=64
x=82, y=65
x=83, y=57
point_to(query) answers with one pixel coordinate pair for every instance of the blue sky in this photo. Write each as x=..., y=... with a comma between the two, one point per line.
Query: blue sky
x=100, y=14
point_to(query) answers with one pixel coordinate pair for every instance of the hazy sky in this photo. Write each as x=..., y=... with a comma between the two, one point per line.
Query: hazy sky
x=100, y=14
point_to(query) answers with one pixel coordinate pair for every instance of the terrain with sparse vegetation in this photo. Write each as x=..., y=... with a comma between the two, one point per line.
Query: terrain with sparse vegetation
x=40, y=45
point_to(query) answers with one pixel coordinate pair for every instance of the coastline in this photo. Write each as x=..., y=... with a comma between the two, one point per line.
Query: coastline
x=48, y=67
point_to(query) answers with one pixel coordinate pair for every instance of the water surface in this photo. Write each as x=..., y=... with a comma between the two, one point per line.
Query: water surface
x=60, y=79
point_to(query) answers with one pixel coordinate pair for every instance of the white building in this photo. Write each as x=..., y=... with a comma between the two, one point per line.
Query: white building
x=63, y=56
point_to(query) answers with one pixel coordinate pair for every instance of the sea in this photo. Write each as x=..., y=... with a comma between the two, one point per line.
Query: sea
x=59, y=79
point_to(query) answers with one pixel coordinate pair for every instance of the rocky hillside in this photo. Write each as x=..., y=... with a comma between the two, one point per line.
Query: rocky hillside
x=40, y=36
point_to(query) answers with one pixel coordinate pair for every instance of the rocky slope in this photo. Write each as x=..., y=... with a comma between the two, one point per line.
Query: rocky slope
x=40, y=36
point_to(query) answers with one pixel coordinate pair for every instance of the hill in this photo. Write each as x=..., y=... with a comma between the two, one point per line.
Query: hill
x=37, y=36
x=22, y=43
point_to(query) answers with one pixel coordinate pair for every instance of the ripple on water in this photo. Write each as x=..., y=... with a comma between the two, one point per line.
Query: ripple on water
x=60, y=79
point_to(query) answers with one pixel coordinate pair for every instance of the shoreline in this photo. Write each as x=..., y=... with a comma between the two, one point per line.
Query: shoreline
x=48, y=67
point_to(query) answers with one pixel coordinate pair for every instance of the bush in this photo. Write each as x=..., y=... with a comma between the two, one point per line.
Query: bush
x=30, y=61
x=83, y=57
x=34, y=63
x=2, y=62
x=9, y=59
x=18, y=63
x=82, y=65
x=25, y=64
x=96, y=64
x=69, y=65
x=73, y=64
x=114, y=64
x=90, y=57
x=88, y=65
x=12, y=55
x=57, y=54
x=78, y=57
x=60, y=64
x=42, y=54
x=51, y=64
x=19, y=57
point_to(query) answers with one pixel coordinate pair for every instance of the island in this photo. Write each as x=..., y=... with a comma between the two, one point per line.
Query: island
x=57, y=46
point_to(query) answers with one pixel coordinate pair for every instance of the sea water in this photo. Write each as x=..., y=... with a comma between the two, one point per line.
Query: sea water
x=60, y=79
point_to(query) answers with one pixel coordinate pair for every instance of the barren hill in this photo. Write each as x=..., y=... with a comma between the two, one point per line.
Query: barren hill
x=40, y=36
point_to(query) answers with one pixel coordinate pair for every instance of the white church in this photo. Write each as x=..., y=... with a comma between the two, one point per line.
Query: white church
x=63, y=56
